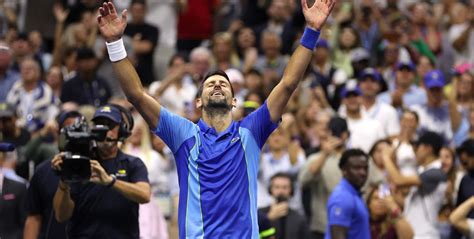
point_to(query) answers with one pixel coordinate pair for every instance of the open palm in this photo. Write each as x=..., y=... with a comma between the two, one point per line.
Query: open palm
x=111, y=26
x=317, y=14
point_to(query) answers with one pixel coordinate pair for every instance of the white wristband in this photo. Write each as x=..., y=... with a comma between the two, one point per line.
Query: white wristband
x=116, y=50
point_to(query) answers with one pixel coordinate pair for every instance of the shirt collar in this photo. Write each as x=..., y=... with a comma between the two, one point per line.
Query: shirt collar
x=206, y=129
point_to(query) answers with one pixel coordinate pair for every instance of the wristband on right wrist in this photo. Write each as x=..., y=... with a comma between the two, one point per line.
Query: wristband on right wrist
x=116, y=50
x=310, y=38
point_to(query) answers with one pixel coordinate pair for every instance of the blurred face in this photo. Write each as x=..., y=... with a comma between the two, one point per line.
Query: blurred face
x=422, y=152
x=80, y=33
x=419, y=13
x=200, y=64
x=136, y=137
x=54, y=77
x=447, y=159
x=253, y=82
x=222, y=48
x=369, y=86
x=405, y=78
x=246, y=38
x=271, y=45
x=177, y=63
x=408, y=122
x=347, y=39
x=391, y=54
x=278, y=140
x=138, y=12
x=458, y=13
x=320, y=55
x=320, y=128
x=356, y=171
x=30, y=72
x=352, y=103
x=467, y=161
x=424, y=65
x=8, y=126
x=277, y=10
x=21, y=47
x=35, y=39
x=377, y=207
x=281, y=187
x=86, y=66
x=216, y=94
x=377, y=156
x=5, y=58
x=88, y=20
x=435, y=96
x=465, y=86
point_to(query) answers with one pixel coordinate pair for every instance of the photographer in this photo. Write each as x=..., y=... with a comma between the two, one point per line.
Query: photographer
x=287, y=222
x=107, y=205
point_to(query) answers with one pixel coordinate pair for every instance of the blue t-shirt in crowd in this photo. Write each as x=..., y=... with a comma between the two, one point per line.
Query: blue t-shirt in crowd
x=217, y=173
x=346, y=208
x=39, y=201
x=102, y=212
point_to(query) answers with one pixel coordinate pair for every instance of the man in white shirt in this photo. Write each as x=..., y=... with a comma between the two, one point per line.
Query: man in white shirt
x=370, y=84
x=364, y=131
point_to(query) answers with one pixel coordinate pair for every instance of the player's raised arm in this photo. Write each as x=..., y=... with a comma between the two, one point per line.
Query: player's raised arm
x=315, y=16
x=112, y=26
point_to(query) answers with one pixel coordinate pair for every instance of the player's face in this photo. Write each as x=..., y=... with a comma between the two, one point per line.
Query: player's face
x=217, y=93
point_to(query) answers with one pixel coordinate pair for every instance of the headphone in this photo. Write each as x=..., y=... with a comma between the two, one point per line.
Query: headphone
x=282, y=175
x=126, y=124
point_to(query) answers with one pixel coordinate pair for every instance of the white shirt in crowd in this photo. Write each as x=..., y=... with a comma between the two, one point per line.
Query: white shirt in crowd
x=364, y=132
x=435, y=119
x=421, y=211
x=174, y=99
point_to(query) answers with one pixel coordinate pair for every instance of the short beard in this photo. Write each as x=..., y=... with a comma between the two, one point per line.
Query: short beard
x=217, y=108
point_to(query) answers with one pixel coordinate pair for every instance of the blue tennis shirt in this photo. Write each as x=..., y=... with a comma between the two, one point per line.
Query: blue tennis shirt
x=346, y=208
x=217, y=173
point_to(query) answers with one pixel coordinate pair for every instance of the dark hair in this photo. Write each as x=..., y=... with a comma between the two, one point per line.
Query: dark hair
x=376, y=144
x=142, y=2
x=413, y=113
x=349, y=154
x=174, y=57
x=63, y=116
x=466, y=147
x=282, y=175
x=214, y=73
x=432, y=139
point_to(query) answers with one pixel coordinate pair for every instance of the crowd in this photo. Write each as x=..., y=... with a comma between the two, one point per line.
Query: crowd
x=390, y=81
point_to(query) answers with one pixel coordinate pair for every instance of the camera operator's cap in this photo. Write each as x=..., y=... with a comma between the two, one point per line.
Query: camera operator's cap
x=108, y=112
x=359, y=54
x=434, y=79
x=406, y=65
x=370, y=72
x=7, y=110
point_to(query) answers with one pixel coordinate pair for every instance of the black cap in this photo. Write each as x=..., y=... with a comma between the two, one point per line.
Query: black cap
x=337, y=126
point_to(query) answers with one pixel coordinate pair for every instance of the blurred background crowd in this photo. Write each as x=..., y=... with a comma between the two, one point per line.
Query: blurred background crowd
x=387, y=76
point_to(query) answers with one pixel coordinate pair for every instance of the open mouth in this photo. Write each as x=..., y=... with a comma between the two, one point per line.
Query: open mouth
x=217, y=93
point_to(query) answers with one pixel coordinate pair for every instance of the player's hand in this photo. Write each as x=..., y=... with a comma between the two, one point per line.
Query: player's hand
x=317, y=14
x=111, y=26
x=277, y=211
x=98, y=174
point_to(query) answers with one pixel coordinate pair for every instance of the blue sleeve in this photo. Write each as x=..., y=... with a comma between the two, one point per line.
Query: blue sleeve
x=339, y=211
x=260, y=124
x=462, y=132
x=138, y=171
x=174, y=129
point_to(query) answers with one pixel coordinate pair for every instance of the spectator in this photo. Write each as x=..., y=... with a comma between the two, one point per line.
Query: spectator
x=461, y=33
x=370, y=82
x=11, y=132
x=287, y=222
x=466, y=129
x=279, y=23
x=94, y=89
x=364, y=131
x=404, y=143
x=34, y=99
x=13, y=194
x=144, y=41
x=428, y=186
x=376, y=166
x=55, y=80
x=460, y=220
x=436, y=114
x=224, y=55
x=271, y=63
x=348, y=216
x=174, y=91
x=285, y=156
x=466, y=155
x=21, y=50
x=200, y=61
x=106, y=205
x=404, y=93
x=347, y=42
x=321, y=174
x=8, y=77
x=246, y=48
x=386, y=218
x=40, y=222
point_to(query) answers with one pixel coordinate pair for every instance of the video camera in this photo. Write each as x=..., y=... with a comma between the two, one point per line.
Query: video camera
x=79, y=142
